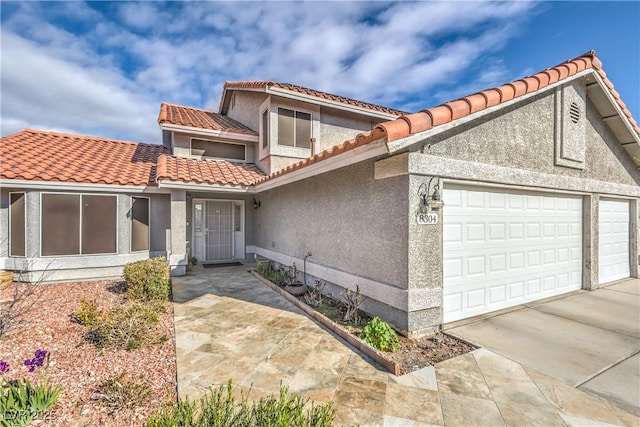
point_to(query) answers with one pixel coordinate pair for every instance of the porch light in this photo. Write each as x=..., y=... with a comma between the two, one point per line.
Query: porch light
x=256, y=203
x=430, y=202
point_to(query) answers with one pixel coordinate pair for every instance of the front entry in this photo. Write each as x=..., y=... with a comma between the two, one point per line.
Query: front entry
x=218, y=230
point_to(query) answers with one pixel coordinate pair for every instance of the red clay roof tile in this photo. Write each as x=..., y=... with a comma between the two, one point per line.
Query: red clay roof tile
x=407, y=125
x=264, y=85
x=37, y=155
x=199, y=171
x=194, y=117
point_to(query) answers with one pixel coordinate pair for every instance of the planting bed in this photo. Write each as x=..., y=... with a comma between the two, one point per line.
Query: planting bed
x=78, y=367
x=413, y=353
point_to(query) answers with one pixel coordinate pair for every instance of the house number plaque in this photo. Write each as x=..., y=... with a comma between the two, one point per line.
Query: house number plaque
x=429, y=218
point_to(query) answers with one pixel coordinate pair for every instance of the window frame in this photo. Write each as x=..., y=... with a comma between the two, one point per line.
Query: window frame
x=265, y=137
x=148, y=225
x=295, y=141
x=217, y=142
x=79, y=224
x=24, y=193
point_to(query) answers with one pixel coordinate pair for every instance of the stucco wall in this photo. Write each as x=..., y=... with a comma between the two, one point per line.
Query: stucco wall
x=345, y=218
x=522, y=137
x=83, y=267
x=247, y=108
x=182, y=146
x=338, y=126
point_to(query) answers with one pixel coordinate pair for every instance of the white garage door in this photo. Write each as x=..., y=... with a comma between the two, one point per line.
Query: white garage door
x=614, y=240
x=505, y=248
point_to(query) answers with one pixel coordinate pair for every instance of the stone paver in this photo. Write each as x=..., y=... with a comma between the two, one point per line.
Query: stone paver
x=589, y=340
x=230, y=326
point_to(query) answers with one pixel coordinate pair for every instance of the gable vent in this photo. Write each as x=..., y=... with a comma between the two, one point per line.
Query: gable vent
x=574, y=112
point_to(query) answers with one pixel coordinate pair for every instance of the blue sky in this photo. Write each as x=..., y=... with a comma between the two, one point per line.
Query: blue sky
x=103, y=68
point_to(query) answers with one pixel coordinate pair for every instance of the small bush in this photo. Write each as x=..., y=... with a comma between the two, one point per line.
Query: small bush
x=219, y=407
x=128, y=326
x=148, y=279
x=120, y=392
x=88, y=314
x=380, y=335
x=21, y=401
x=275, y=275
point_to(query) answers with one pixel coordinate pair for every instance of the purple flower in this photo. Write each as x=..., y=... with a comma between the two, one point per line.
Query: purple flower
x=4, y=366
x=38, y=360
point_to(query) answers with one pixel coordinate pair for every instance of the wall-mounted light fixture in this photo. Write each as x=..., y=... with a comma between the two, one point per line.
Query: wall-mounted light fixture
x=430, y=202
x=256, y=203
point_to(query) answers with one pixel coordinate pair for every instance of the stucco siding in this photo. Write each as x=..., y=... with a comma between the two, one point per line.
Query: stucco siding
x=344, y=218
x=246, y=109
x=523, y=137
x=82, y=267
x=339, y=126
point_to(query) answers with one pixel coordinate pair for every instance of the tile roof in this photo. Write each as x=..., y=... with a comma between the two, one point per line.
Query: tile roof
x=207, y=171
x=264, y=85
x=410, y=124
x=36, y=155
x=198, y=118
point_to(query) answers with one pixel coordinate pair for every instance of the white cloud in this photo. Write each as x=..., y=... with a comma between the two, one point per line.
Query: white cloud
x=111, y=75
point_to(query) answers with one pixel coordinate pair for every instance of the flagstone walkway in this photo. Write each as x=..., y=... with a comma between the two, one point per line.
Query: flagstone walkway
x=231, y=326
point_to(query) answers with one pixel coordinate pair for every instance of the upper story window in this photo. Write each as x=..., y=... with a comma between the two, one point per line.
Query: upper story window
x=220, y=150
x=294, y=128
x=265, y=128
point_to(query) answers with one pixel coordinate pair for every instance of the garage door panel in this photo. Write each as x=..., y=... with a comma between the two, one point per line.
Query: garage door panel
x=518, y=248
x=613, y=245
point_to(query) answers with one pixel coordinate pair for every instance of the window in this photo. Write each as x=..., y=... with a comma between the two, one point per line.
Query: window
x=294, y=128
x=17, y=224
x=265, y=128
x=139, y=224
x=221, y=150
x=237, y=218
x=74, y=224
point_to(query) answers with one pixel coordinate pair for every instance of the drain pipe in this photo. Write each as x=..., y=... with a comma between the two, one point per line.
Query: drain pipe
x=305, y=267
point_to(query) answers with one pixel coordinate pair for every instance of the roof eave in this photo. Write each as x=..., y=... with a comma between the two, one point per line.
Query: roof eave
x=195, y=186
x=403, y=144
x=364, y=152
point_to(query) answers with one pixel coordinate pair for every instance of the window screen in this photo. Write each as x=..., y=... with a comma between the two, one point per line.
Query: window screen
x=200, y=147
x=99, y=224
x=265, y=128
x=60, y=224
x=285, y=127
x=294, y=128
x=139, y=224
x=17, y=229
x=303, y=130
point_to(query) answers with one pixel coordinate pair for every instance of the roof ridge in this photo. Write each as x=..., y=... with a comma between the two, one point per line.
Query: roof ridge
x=74, y=135
x=190, y=107
x=254, y=84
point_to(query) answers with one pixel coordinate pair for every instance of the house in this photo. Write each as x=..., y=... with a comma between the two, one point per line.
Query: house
x=514, y=194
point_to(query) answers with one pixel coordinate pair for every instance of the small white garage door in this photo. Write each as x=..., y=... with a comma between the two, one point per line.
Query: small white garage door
x=506, y=248
x=614, y=240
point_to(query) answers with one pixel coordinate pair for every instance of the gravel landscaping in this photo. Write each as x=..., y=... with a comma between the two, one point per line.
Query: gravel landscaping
x=78, y=367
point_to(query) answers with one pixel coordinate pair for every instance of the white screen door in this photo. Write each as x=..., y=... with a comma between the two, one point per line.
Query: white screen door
x=219, y=230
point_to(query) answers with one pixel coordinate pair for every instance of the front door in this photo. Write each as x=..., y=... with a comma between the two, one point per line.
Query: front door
x=217, y=230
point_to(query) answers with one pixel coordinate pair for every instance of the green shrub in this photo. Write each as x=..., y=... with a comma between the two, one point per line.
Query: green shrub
x=220, y=408
x=274, y=275
x=120, y=392
x=21, y=401
x=128, y=326
x=148, y=279
x=89, y=314
x=380, y=335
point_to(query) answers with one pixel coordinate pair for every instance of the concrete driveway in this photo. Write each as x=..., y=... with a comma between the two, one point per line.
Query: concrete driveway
x=590, y=340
